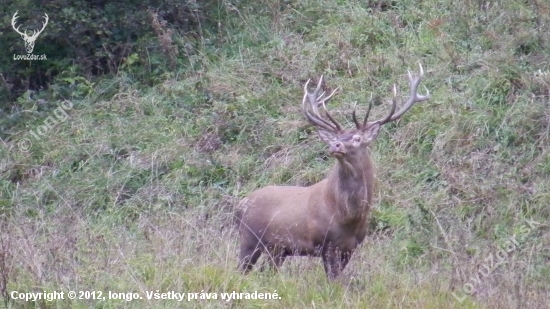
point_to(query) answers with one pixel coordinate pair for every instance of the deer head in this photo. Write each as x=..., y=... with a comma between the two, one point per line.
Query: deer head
x=346, y=143
x=29, y=40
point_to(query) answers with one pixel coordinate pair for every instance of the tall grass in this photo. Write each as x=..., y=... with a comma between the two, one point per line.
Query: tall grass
x=134, y=192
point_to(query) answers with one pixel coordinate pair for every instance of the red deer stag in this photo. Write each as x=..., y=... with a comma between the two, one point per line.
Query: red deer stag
x=328, y=219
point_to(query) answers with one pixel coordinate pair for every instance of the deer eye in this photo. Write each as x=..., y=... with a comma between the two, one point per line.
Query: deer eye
x=357, y=139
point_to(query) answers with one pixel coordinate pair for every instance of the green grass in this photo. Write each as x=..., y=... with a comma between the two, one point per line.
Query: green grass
x=135, y=191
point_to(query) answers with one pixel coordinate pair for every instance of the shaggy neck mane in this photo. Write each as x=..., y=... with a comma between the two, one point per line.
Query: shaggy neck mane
x=350, y=184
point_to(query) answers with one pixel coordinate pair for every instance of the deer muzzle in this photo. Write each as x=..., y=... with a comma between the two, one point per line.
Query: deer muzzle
x=337, y=149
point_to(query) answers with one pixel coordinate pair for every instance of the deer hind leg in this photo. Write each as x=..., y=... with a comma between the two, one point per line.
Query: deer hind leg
x=249, y=256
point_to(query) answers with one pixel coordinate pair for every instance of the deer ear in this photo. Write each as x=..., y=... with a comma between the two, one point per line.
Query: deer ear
x=371, y=133
x=326, y=136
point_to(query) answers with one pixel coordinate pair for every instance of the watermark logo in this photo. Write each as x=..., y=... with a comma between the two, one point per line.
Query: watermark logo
x=29, y=39
x=60, y=114
x=493, y=261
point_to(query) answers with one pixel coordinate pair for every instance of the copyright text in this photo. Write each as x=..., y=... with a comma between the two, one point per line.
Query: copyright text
x=148, y=295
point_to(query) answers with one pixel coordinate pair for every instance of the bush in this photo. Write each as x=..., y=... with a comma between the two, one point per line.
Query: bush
x=85, y=39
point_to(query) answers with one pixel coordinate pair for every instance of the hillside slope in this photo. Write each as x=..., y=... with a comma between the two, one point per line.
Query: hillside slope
x=135, y=193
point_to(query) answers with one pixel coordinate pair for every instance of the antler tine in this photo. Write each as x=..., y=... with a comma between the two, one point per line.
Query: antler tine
x=393, y=105
x=316, y=100
x=415, y=97
x=338, y=126
x=321, y=99
x=366, y=116
x=314, y=119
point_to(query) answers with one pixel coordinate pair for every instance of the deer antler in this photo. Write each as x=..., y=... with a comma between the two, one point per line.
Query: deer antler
x=415, y=97
x=315, y=100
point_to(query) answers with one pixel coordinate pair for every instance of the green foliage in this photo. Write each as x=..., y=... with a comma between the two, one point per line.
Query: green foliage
x=85, y=40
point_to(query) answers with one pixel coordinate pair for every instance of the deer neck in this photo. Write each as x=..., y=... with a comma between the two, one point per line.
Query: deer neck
x=350, y=187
